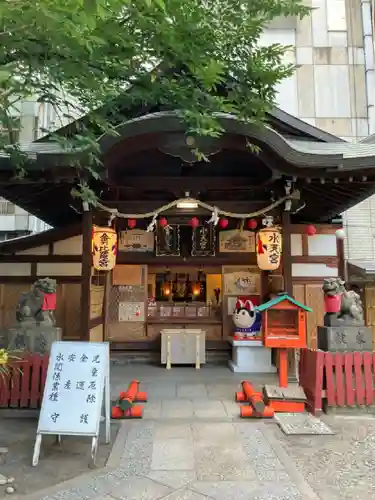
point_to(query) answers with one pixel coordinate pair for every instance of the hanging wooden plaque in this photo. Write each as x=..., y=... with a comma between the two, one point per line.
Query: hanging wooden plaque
x=127, y=275
x=203, y=241
x=96, y=301
x=242, y=282
x=168, y=241
x=237, y=241
x=136, y=240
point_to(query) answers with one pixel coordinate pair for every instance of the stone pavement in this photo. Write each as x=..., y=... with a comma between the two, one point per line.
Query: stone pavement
x=191, y=461
x=191, y=445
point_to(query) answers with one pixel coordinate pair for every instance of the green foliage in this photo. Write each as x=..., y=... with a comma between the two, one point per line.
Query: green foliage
x=79, y=55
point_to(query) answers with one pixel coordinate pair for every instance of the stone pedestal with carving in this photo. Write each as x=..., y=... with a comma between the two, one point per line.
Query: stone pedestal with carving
x=344, y=338
x=33, y=338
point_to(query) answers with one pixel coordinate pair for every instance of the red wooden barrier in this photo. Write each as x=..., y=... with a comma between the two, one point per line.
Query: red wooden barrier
x=344, y=379
x=24, y=386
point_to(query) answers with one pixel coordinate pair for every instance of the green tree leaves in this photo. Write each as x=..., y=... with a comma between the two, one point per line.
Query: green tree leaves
x=95, y=50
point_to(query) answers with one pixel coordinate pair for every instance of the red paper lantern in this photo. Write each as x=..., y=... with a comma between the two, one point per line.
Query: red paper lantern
x=311, y=230
x=252, y=224
x=132, y=223
x=163, y=222
x=194, y=222
x=223, y=223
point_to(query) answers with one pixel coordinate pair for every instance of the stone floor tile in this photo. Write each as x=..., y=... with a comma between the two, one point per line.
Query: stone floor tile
x=275, y=491
x=152, y=409
x=221, y=391
x=186, y=495
x=192, y=391
x=178, y=408
x=136, y=457
x=232, y=408
x=160, y=390
x=266, y=475
x=140, y=488
x=213, y=433
x=173, y=478
x=173, y=454
x=171, y=430
x=209, y=409
x=224, y=490
x=223, y=464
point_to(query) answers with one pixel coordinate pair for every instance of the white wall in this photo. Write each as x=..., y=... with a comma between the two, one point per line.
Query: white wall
x=333, y=89
x=328, y=89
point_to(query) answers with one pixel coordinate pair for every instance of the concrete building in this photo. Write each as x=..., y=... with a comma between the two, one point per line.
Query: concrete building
x=36, y=119
x=333, y=88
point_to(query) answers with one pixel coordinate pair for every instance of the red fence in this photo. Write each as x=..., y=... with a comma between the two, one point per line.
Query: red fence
x=337, y=379
x=23, y=386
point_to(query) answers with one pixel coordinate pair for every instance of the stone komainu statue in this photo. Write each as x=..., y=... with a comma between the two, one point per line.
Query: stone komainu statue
x=342, y=306
x=38, y=305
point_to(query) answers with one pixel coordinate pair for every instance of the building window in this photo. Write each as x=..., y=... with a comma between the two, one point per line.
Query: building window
x=7, y=208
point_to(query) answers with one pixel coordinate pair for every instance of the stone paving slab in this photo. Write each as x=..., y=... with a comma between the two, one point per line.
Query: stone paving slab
x=173, y=454
x=190, y=461
x=140, y=488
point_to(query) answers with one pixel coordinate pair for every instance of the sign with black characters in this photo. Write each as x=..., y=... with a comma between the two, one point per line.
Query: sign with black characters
x=77, y=381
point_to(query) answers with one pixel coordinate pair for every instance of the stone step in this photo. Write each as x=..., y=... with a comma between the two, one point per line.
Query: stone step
x=149, y=357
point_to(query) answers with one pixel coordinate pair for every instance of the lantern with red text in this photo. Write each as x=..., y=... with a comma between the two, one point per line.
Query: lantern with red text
x=104, y=248
x=269, y=247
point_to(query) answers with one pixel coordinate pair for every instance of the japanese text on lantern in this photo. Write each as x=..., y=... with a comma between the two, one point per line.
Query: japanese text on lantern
x=274, y=240
x=104, y=250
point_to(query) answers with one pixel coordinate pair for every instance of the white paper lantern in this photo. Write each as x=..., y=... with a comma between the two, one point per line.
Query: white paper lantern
x=340, y=234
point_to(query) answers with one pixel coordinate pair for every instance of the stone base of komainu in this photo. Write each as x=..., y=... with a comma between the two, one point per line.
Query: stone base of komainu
x=34, y=338
x=344, y=326
x=344, y=338
x=35, y=313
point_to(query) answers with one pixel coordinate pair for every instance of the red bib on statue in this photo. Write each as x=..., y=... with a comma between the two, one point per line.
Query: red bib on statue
x=332, y=304
x=49, y=302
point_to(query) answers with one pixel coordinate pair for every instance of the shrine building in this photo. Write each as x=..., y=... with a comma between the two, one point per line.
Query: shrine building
x=184, y=238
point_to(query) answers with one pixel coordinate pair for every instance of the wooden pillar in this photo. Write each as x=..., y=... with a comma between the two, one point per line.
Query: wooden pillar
x=287, y=254
x=107, y=294
x=264, y=285
x=341, y=256
x=86, y=271
x=288, y=287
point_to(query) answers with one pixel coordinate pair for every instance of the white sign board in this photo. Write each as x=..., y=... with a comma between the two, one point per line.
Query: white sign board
x=77, y=381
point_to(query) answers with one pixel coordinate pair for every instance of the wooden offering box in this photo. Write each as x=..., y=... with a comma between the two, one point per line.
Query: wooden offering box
x=284, y=323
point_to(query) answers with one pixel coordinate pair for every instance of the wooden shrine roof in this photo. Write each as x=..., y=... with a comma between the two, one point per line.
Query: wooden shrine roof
x=149, y=164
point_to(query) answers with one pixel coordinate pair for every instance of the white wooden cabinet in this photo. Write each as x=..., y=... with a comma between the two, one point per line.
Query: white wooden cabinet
x=180, y=346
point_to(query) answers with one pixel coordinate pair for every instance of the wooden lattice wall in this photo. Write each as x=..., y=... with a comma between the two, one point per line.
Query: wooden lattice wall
x=311, y=295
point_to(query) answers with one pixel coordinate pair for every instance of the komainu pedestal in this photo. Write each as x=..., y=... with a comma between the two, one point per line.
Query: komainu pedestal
x=35, y=338
x=344, y=326
x=344, y=338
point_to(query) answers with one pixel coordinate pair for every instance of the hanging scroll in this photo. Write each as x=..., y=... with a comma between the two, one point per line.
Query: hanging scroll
x=203, y=241
x=168, y=241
